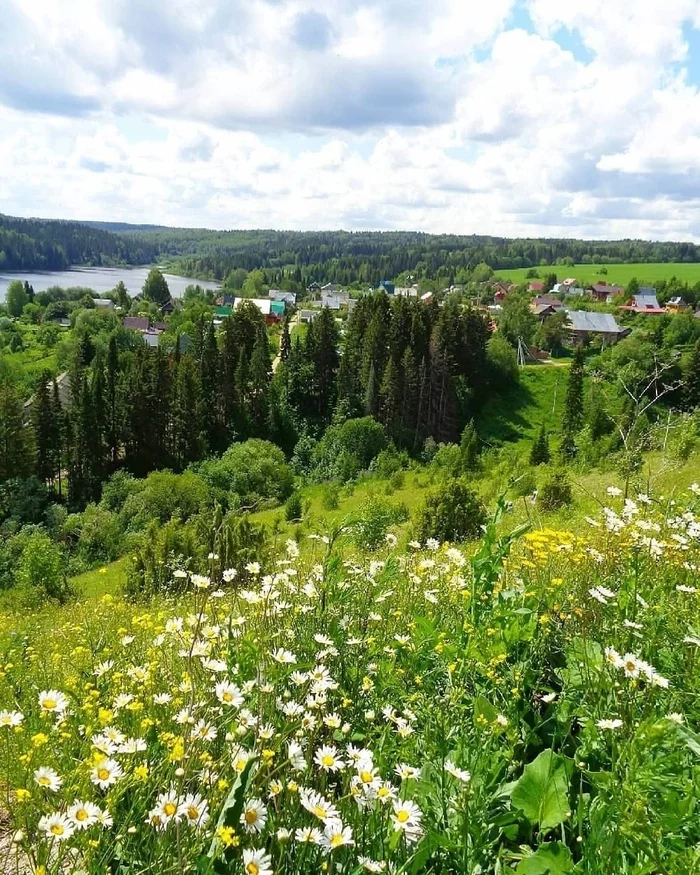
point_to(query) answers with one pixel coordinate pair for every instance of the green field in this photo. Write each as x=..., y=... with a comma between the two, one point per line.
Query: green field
x=646, y=274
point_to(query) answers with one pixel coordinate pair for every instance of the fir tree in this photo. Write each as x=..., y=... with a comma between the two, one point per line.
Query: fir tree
x=15, y=440
x=285, y=342
x=390, y=396
x=186, y=432
x=573, y=404
x=539, y=454
x=691, y=380
x=111, y=396
x=469, y=448
x=58, y=436
x=44, y=432
x=259, y=383
x=209, y=376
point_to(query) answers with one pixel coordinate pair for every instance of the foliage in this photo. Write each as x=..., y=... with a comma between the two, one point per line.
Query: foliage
x=452, y=513
x=293, y=507
x=540, y=454
x=555, y=492
x=373, y=519
x=41, y=570
x=253, y=471
x=349, y=448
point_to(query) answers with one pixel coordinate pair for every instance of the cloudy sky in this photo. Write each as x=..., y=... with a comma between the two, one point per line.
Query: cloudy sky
x=546, y=117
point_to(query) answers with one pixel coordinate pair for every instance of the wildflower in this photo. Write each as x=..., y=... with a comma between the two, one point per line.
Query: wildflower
x=327, y=758
x=391, y=539
x=257, y=862
x=317, y=805
x=407, y=819
x=227, y=836
x=681, y=587
x=296, y=756
x=83, y=814
x=253, y=568
x=548, y=698
x=167, y=807
x=240, y=759
x=53, y=702
x=284, y=657
x=194, y=809
x=335, y=835
x=106, y=773
x=254, y=816
x=406, y=772
x=614, y=491
x=675, y=717
x=501, y=720
x=613, y=657
x=56, y=826
x=48, y=779
x=609, y=724
x=105, y=819
x=203, y=731
x=456, y=772
x=229, y=694
x=310, y=835
x=11, y=718
x=369, y=865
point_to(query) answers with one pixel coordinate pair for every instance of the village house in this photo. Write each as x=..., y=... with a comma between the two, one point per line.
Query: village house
x=535, y=286
x=644, y=301
x=308, y=316
x=604, y=293
x=330, y=301
x=137, y=323
x=287, y=297
x=404, y=292
x=103, y=303
x=675, y=304
x=545, y=301
x=584, y=326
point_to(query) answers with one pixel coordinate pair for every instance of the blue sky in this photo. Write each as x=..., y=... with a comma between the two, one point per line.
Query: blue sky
x=514, y=117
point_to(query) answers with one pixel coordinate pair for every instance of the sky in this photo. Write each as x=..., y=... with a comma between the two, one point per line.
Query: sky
x=575, y=118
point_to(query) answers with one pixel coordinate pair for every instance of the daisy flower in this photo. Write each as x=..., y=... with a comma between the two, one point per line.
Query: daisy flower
x=407, y=819
x=609, y=724
x=52, y=702
x=335, y=835
x=11, y=718
x=228, y=694
x=257, y=862
x=106, y=773
x=254, y=816
x=327, y=758
x=195, y=810
x=83, y=814
x=48, y=779
x=56, y=826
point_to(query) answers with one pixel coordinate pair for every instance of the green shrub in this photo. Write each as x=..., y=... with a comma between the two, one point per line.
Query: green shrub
x=253, y=470
x=165, y=495
x=555, y=492
x=330, y=497
x=41, y=573
x=373, y=520
x=293, y=507
x=451, y=513
x=346, y=449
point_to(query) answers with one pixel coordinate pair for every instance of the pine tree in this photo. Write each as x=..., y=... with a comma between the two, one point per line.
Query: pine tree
x=326, y=359
x=242, y=389
x=691, y=380
x=409, y=398
x=390, y=396
x=539, y=454
x=260, y=372
x=186, y=431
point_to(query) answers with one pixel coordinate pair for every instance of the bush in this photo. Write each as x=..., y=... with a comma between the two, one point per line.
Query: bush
x=503, y=362
x=373, y=520
x=345, y=450
x=555, y=492
x=293, y=507
x=41, y=573
x=252, y=470
x=331, y=496
x=452, y=513
x=118, y=488
x=390, y=461
x=99, y=535
x=165, y=495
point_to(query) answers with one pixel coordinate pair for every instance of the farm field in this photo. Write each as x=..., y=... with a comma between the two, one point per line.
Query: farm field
x=621, y=274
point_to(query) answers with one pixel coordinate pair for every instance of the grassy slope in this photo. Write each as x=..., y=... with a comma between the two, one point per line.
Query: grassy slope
x=616, y=273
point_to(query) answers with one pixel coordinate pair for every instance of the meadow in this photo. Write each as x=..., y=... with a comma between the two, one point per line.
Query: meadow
x=620, y=274
x=527, y=703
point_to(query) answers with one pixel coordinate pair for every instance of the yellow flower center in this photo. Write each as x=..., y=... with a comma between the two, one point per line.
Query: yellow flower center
x=103, y=774
x=320, y=812
x=81, y=814
x=251, y=816
x=49, y=704
x=366, y=777
x=193, y=813
x=382, y=791
x=336, y=840
x=57, y=829
x=252, y=868
x=170, y=809
x=227, y=697
x=44, y=781
x=402, y=816
x=327, y=760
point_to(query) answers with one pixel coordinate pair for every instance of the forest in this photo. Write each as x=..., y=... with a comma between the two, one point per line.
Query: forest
x=365, y=257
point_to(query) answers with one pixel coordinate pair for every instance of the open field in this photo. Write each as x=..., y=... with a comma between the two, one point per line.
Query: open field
x=646, y=274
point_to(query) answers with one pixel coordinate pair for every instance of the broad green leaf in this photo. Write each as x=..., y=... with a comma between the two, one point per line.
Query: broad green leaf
x=552, y=858
x=233, y=806
x=484, y=708
x=542, y=792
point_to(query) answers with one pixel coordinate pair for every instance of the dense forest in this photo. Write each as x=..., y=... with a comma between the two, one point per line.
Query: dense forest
x=364, y=257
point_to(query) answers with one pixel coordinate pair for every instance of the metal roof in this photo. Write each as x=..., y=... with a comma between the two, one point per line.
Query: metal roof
x=601, y=323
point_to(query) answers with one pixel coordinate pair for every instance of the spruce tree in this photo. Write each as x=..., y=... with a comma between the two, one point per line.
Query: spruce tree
x=260, y=372
x=326, y=359
x=285, y=342
x=15, y=440
x=573, y=404
x=469, y=448
x=691, y=380
x=390, y=396
x=112, y=382
x=209, y=376
x=539, y=454
x=44, y=432
x=58, y=436
x=186, y=432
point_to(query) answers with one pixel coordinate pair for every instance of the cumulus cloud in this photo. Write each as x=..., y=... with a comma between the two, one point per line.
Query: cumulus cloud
x=441, y=116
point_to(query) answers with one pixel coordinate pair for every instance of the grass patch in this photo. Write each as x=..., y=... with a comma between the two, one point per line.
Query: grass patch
x=108, y=579
x=621, y=274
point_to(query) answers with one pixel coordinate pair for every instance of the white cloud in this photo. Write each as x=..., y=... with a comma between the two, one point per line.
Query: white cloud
x=441, y=116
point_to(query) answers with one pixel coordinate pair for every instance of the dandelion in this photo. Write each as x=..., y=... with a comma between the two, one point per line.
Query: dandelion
x=83, y=814
x=56, y=826
x=254, y=816
x=53, y=702
x=48, y=779
x=106, y=773
x=257, y=862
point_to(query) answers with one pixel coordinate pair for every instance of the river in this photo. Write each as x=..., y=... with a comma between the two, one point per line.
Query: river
x=100, y=279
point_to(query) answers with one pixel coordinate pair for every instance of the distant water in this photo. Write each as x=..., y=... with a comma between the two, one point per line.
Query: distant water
x=99, y=279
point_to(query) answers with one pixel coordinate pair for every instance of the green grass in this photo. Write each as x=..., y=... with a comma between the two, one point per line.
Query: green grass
x=646, y=274
x=517, y=414
x=108, y=579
